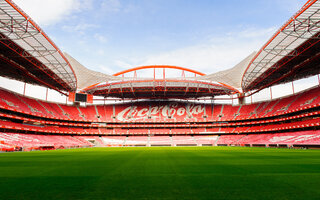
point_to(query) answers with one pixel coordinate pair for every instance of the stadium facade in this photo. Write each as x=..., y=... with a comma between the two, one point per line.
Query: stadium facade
x=156, y=112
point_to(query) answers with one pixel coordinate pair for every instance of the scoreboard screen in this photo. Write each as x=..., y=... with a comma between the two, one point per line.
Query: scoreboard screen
x=81, y=97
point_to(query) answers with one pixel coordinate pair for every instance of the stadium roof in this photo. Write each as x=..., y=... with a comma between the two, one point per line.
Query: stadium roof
x=28, y=54
x=87, y=77
x=231, y=77
x=290, y=54
x=178, y=87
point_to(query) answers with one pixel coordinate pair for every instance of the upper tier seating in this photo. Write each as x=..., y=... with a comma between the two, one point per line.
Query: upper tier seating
x=284, y=104
x=208, y=112
x=9, y=100
x=105, y=112
x=121, y=131
x=72, y=112
x=180, y=131
x=247, y=111
x=90, y=113
x=54, y=110
x=198, y=130
x=106, y=131
x=307, y=99
x=35, y=107
x=138, y=131
x=158, y=111
x=217, y=112
x=266, y=108
x=230, y=112
x=159, y=131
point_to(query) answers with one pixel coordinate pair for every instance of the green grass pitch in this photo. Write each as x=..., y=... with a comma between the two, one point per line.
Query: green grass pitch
x=161, y=173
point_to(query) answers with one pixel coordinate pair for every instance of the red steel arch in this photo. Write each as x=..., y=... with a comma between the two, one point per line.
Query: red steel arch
x=159, y=66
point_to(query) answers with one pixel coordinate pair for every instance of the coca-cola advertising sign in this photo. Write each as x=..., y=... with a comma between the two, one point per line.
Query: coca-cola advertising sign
x=171, y=110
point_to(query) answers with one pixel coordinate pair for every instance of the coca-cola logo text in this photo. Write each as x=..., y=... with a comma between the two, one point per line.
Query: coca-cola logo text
x=172, y=110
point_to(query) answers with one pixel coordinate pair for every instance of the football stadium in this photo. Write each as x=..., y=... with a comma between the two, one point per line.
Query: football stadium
x=158, y=136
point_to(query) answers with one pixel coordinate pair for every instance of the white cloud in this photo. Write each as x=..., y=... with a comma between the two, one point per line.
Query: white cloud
x=111, y=5
x=117, y=66
x=51, y=11
x=115, y=7
x=106, y=70
x=101, y=52
x=80, y=28
x=100, y=38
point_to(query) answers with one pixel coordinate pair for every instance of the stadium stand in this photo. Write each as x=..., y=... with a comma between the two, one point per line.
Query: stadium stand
x=42, y=142
x=206, y=140
x=21, y=104
x=89, y=113
x=113, y=140
x=137, y=141
x=301, y=118
x=228, y=139
x=171, y=116
x=183, y=141
x=160, y=141
x=290, y=138
x=72, y=112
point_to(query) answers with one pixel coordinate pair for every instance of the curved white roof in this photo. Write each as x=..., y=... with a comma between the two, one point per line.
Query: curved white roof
x=87, y=77
x=231, y=77
x=304, y=25
x=19, y=28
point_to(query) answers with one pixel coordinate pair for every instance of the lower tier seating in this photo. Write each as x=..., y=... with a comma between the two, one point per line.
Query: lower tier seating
x=160, y=141
x=27, y=142
x=229, y=139
x=205, y=139
x=183, y=140
x=291, y=138
x=113, y=140
x=137, y=141
x=34, y=141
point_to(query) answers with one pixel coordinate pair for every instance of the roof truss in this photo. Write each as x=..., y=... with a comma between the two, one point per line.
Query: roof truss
x=303, y=26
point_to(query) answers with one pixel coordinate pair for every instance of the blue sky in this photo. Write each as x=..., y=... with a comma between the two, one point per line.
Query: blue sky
x=113, y=35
